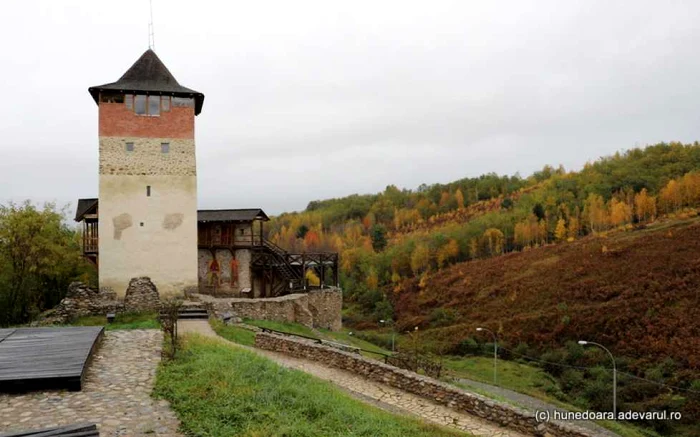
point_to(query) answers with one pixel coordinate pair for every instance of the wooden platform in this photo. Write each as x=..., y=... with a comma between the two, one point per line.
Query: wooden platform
x=81, y=430
x=46, y=358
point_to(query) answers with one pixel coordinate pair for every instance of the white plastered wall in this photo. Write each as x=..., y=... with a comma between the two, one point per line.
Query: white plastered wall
x=154, y=236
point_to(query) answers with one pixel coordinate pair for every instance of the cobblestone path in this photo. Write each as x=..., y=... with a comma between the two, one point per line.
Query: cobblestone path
x=116, y=395
x=382, y=395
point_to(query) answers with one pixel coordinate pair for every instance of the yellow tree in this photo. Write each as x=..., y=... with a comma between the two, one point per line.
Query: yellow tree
x=595, y=212
x=372, y=279
x=444, y=199
x=447, y=252
x=690, y=189
x=620, y=212
x=670, y=196
x=645, y=206
x=459, y=197
x=574, y=227
x=420, y=259
x=312, y=278
x=473, y=249
x=560, y=231
x=493, y=241
x=522, y=234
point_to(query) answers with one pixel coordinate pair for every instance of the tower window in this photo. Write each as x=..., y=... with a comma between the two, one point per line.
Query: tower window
x=165, y=103
x=129, y=147
x=148, y=191
x=165, y=147
x=140, y=104
x=153, y=105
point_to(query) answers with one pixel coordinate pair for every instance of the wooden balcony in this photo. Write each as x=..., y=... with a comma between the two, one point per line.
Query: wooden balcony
x=90, y=238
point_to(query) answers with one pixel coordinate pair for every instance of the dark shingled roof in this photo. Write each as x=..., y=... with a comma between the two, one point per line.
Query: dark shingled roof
x=225, y=215
x=203, y=215
x=84, y=205
x=149, y=75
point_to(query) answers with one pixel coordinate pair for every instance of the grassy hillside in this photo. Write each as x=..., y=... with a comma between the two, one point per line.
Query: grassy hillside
x=637, y=291
x=610, y=253
x=634, y=291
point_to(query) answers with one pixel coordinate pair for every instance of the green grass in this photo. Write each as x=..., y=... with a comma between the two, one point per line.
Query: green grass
x=218, y=390
x=370, y=349
x=345, y=337
x=233, y=333
x=293, y=328
x=518, y=377
x=525, y=379
x=121, y=321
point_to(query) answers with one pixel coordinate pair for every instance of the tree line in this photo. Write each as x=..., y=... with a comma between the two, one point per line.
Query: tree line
x=397, y=234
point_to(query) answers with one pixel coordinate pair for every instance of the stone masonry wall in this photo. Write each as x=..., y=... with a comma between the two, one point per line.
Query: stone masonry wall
x=147, y=157
x=82, y=300
x=315, y=309
x=141, y=295
x=429, y=388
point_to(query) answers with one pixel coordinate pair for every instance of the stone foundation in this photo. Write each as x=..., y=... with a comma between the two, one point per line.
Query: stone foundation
x=429, y=388
x=315, y=309
x=81, y=300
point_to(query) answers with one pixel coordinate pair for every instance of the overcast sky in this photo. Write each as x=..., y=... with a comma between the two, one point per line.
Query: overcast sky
x=311, y=100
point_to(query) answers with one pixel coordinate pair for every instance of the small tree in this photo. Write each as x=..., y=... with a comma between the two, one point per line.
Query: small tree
x=170, y=309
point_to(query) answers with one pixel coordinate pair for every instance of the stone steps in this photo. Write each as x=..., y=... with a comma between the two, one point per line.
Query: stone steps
x=193, y=313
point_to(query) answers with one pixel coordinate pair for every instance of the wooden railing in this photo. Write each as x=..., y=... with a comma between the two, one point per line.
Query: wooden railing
x=90, y=238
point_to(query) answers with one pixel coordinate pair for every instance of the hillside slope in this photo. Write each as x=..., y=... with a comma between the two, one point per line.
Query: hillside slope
x=637, y=292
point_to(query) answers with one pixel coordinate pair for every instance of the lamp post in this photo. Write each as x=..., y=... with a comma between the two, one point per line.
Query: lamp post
x=495, y=351
x=583, y=343
x=393, y=331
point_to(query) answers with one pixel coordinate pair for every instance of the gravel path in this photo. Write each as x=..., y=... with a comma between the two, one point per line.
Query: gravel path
x=533, y=404
x=381, y=395
x=115, y=396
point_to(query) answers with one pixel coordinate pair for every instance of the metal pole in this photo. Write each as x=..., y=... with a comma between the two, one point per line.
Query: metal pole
x=495, y=353
x=581, y=342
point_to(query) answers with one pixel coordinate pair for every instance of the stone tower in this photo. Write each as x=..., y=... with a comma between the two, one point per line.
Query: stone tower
x=148, y=179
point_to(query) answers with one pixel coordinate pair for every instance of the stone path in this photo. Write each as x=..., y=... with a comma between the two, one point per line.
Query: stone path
x=379, y=394
x=534, y=404
x=116, y=395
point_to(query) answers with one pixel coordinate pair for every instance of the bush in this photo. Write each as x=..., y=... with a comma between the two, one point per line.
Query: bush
x=443, y=317
x=468, y=346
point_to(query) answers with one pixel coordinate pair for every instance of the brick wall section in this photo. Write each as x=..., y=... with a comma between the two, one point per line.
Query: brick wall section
x=429, y=388
x=116, y=120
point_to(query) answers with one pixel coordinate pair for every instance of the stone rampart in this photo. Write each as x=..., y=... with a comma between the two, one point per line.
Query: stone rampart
x=315, y=309
x=428, y=388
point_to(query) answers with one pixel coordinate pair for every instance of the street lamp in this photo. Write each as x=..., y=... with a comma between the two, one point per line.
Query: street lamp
x=495, y=351
x=393, y=332
x=583, y=343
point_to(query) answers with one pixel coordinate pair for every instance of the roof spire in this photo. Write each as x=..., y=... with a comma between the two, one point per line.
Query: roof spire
x=151, y=33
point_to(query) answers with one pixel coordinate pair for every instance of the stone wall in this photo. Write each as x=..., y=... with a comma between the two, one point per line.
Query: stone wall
x=429, y=388
x=315, y=309
x=147, y=157
x=141, y=295
x=82, y=300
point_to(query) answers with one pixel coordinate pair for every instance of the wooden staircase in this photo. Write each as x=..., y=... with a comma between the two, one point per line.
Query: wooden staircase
x=280, y=262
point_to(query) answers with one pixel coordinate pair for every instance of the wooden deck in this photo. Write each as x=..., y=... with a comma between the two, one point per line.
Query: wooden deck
x=46, y=358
